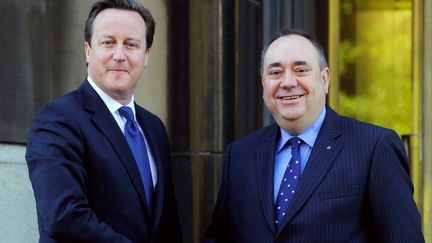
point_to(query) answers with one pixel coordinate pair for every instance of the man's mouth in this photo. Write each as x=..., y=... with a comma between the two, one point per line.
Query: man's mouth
x=291, y=97
x=117, y=70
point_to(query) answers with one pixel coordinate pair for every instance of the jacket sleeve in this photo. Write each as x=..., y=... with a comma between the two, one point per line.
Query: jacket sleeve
x=220, y=230
x=55, y=158
x=391, y=200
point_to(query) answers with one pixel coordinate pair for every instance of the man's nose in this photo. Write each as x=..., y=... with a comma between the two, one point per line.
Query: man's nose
x=119, y=54
x=288, y=81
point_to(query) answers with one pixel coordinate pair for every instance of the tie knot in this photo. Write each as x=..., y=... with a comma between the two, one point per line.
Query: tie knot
x=126, y=112
x=295, y=142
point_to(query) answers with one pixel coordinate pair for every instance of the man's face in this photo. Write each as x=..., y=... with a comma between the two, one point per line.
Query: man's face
x=294, y=87
x=118, y=52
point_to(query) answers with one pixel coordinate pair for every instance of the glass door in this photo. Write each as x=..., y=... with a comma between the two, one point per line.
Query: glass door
x=374, y=57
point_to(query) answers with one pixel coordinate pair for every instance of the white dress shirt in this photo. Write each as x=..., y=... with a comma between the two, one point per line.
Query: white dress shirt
x=113, y=107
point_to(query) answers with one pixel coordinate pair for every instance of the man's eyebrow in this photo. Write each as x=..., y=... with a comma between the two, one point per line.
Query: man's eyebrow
x=274, y=64
x=134, y=39
x=127, y=39
x=106, y=36
x=300, y=63
x=278, y=64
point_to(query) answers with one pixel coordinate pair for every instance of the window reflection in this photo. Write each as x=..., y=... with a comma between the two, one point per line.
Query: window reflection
x=375, y=62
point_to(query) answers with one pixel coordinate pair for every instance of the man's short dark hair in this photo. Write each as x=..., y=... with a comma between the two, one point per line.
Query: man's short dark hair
x=287, y=32
x=132, y=5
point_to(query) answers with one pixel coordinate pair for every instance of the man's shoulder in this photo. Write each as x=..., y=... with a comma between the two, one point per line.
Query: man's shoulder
x=69, y=105
x=64, y=102
x=143, y=111
x=358, y=129
x=146, y=114
x=353, y=124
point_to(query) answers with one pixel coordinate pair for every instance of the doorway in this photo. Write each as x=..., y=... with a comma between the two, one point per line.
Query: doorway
x=375, y=58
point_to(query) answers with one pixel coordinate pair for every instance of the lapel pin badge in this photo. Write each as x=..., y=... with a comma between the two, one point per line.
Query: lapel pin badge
x=328, y=147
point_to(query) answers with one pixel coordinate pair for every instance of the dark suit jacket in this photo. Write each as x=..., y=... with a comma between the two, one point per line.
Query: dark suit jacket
x=354, y=188
x=86, y=182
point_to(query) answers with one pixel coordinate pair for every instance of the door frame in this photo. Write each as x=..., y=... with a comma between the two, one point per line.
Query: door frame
x=421, y=159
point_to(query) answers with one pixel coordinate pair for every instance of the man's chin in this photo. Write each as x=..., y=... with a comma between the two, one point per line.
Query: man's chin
x=118, y=77
x=291, y=115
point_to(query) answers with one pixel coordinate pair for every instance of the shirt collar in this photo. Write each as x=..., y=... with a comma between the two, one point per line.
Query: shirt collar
x=111, y=103
x=308, y=136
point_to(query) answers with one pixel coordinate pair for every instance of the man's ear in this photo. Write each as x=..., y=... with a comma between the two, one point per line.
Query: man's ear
x=325, y=77
x=87, y=50
x=146, y=58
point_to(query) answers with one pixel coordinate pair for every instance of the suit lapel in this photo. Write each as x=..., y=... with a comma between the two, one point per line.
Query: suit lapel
x=104, y=121
x=265, y=175
x=323, y=154
x=152, y=139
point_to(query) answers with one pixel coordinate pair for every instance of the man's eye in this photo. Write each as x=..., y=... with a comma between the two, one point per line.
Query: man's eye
x=301, y=70
x=107, y=43
x=132, y=45
x=275, y=73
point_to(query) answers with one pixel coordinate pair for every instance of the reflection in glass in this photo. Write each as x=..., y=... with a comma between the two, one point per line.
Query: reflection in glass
x=375, y=62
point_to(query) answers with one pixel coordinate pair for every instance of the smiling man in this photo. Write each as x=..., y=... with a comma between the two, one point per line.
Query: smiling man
x=313, y=176
x=100, y=164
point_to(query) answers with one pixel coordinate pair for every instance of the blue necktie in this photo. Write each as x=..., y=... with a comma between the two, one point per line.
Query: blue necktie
x=137, y=145
x=289, y=181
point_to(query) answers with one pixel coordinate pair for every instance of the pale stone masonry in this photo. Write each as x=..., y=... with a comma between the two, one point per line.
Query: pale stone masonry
x=18, y=222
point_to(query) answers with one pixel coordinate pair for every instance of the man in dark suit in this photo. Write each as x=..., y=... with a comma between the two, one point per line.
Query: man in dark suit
x=100, y=164
x=314, y=176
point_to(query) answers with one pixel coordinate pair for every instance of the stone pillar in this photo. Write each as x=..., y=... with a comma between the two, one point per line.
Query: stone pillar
x=152, y=89
x=202, y=118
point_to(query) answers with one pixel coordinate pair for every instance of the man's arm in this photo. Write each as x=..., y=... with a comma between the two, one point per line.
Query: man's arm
x=55, y=158
x=395, y=215
x=220, y=227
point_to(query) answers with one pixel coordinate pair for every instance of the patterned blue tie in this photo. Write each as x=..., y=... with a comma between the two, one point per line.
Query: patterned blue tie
x=137, y=145
x=289, y=181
